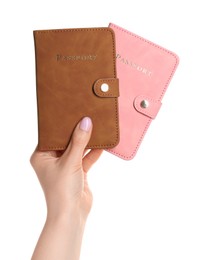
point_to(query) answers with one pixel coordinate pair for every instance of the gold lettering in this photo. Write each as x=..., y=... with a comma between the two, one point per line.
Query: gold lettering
x=134, y=65
x=89, y=57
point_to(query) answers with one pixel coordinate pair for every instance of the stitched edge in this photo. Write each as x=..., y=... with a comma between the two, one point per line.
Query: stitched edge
x=71, y=30
x=114, y=66
x=63, y=148
x=163, y=92
x=115, y=99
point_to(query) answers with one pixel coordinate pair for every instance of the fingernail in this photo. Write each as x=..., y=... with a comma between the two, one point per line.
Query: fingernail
x=85, y=124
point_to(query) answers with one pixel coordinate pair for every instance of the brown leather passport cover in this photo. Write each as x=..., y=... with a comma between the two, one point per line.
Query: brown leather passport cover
x=71, y=67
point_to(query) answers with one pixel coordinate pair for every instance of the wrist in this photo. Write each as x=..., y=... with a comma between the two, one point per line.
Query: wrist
x=64, y=216
x=72, y=223
x=66, y=210
x=67, y=216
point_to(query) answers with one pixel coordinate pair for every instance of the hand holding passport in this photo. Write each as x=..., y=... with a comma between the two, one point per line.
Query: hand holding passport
x=109, y=74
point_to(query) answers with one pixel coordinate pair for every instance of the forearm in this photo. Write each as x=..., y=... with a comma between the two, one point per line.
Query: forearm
x=61, y=238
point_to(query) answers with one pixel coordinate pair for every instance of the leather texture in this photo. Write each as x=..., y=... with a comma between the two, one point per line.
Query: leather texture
x=145, y=70
x=71, y=67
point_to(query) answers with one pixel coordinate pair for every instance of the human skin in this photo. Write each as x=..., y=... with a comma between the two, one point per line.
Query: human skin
x=63, y=178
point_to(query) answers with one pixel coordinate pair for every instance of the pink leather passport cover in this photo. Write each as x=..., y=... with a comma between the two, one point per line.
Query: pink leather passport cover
x=144, y=70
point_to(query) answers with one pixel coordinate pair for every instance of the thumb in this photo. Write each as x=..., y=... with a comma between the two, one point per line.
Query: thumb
x=79, y=141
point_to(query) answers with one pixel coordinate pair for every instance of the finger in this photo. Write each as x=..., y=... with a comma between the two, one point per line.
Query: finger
x=79, y=141
x=91, y=158
x=33, y=157
x=38, y=157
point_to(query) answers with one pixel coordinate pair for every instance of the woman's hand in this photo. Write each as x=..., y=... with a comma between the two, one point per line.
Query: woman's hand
x=63, y=178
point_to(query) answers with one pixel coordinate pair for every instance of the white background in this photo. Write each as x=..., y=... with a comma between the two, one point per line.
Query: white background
x=153, y=207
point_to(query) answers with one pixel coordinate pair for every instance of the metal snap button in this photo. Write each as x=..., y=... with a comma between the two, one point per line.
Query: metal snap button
x=144, y=104
x=104, y=87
